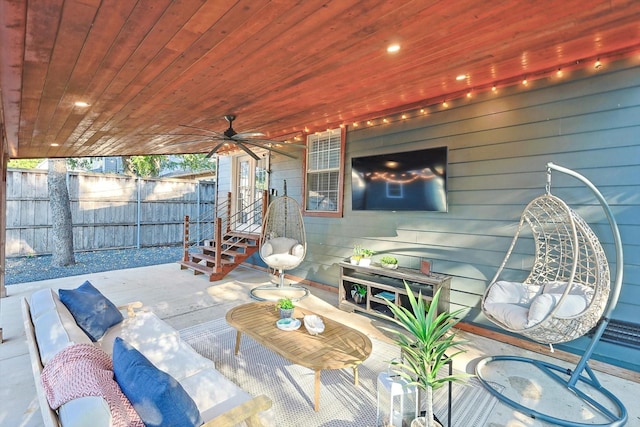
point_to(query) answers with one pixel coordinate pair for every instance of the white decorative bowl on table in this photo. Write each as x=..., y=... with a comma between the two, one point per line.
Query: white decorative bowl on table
x=288, y=324
x=314, y=324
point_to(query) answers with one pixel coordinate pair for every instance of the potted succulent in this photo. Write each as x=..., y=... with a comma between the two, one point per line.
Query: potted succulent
x=286, y=306
x=359, y=293
x=366, y=256
x=389, y=261
x=427, y=344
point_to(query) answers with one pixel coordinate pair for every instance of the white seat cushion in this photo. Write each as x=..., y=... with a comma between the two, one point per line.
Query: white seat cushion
x=55, y=327
x=86, y=411
x=213, y=393
x=158, y=342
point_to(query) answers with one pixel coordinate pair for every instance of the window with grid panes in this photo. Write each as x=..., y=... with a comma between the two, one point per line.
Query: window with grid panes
x=324, y=172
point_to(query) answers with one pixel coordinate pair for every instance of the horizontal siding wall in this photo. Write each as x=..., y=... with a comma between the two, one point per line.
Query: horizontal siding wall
x=499, y=145
x=108, y=211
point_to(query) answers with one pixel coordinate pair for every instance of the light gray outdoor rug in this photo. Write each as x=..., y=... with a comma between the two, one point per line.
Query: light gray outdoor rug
x=291, y=387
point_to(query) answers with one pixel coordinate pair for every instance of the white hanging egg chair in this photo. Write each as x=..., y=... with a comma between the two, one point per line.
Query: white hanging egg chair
x=283, y=246
x=567, y=293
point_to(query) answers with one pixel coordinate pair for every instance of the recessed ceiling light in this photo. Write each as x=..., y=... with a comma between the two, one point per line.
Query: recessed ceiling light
x=80, y=104
x=393, y=48
x=55, y=145
x=461, y=77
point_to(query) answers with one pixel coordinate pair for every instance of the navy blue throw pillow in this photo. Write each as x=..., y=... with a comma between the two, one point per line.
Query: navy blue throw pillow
x=156, y=396
x=92, y=311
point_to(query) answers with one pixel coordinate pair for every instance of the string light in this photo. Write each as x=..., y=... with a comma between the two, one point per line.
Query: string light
x=558, y=72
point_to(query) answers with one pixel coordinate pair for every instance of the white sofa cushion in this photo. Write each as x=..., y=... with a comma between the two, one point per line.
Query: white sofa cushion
x=158, y=342
x=54, y=325
x=213, y=393
x=86, y=411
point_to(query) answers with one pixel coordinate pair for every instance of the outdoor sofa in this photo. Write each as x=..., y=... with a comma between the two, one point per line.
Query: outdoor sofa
x=54, y=337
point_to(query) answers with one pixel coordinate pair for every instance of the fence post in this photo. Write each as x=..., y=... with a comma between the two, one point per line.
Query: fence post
x=139, y=216
x=218, y=237
x=229, y=211
x=185, y=243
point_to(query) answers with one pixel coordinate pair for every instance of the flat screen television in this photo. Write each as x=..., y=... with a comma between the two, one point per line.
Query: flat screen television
x=405, y=181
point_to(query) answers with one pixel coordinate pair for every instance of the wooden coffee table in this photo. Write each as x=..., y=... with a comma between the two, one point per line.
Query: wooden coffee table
x=338, y=347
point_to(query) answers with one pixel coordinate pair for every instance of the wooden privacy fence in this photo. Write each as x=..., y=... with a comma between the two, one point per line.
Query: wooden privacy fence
x=108, y=211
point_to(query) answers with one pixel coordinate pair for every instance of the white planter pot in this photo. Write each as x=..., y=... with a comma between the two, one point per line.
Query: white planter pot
x=365, y=262
x=422, y=422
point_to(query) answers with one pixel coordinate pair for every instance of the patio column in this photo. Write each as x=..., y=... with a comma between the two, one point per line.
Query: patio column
x=3, y=219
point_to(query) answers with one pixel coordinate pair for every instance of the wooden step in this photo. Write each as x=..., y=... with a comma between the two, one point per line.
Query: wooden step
x=211, y=260
x=197, y=268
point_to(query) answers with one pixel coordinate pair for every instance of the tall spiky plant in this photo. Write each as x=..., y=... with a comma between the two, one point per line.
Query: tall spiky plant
x=427, y=347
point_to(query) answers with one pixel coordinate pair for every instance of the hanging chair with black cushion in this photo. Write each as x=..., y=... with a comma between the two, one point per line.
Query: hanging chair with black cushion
x=567, y=293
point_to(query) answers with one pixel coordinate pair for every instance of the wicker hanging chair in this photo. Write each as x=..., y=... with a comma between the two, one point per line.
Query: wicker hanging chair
x=567, y=294
x=283, y=246
x=566, y=291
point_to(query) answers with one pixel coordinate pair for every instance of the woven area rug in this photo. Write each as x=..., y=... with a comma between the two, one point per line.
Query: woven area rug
x=291, y=387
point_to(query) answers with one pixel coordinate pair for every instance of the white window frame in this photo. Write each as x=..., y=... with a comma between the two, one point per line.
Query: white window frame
x=324, y=161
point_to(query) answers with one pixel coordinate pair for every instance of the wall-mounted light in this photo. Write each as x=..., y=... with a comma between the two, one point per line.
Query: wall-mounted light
x=598, y=64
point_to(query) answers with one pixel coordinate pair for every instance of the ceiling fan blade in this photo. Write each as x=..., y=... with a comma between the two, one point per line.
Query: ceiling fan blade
x=284, y=144
x=246, y=149
x=215, y=149
x=202, y=129
x=275, y=150
x=175, y=134
x=244, y=135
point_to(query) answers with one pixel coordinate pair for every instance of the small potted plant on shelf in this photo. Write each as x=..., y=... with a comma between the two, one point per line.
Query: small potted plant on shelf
x=357, y=255
x=427, y=344
x=359, y=293
x=366, y=257
x=286, y=306
x=389, y=261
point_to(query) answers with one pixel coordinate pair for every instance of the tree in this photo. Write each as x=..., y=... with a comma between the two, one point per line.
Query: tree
x=62, y=226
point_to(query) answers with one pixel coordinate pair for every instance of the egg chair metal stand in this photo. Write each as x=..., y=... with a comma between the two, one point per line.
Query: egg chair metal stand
x=283, y=247
x=570, y=259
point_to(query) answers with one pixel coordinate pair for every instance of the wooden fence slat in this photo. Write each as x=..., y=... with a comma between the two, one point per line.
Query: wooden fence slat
x=104, y=211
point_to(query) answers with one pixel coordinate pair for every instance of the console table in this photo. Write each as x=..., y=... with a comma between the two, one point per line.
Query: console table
x=389, y=283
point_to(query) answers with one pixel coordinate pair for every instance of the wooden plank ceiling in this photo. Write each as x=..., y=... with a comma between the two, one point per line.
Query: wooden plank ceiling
x=283, y=67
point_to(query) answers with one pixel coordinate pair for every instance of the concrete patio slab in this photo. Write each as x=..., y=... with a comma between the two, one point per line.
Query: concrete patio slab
x=183, y=300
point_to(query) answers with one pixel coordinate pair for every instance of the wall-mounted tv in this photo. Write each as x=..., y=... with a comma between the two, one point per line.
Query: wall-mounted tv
x=405, y=181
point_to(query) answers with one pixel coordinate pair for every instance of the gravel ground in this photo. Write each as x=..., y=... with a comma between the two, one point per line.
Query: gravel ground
x=35, y=268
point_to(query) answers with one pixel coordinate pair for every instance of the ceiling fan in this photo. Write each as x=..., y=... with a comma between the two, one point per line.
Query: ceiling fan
x=242, y=140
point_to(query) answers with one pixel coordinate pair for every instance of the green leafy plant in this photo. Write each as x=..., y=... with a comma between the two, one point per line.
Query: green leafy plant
x=360, y=290
x=367, y=253
x=357, y=251
x=425, y=339
x=388, y=259
x=284, y=304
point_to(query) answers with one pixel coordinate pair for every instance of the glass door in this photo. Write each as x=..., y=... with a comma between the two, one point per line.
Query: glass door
x=250, y=180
